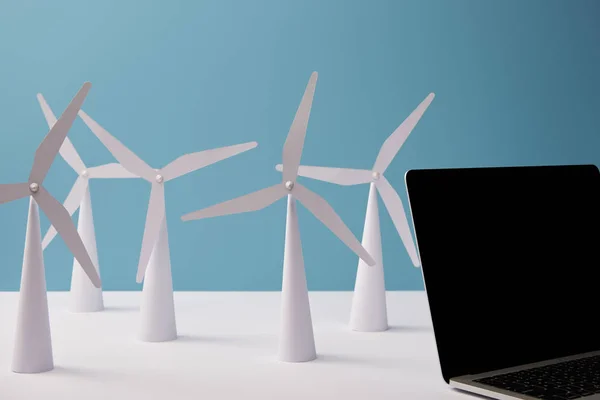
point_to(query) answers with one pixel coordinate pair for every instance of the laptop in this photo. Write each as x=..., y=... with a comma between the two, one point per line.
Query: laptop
x=511, y=263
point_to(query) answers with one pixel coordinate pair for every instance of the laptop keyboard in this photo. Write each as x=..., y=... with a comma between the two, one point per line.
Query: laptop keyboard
x=563, y=381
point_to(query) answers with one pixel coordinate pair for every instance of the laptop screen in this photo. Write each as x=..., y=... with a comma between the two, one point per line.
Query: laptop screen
x=511, y=263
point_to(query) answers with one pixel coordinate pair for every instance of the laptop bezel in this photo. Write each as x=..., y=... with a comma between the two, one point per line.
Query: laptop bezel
x=463, y=381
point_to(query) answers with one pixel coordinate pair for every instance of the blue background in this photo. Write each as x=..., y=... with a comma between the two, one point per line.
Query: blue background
x=516, y=82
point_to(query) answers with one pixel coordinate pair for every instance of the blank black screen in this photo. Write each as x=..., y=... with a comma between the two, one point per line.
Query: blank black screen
x=510, y=262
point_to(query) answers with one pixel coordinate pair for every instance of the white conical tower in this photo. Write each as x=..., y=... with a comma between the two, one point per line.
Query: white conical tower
x=33, y=343
x=85, y=297
x=369, y=304
x=369, y=308
x=297, y=341
x=158, y=309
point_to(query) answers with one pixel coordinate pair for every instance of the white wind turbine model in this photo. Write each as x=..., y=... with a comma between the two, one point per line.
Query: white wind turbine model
x=297, y=340
x=154, y=268
x=33, y=343
x=369, y=309
x=85, y=297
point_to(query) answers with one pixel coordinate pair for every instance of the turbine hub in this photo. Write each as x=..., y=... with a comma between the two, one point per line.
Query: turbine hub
x=34, y=187
x=159, y=178
x=376, y=175
x=85, y=173
x=289, y=185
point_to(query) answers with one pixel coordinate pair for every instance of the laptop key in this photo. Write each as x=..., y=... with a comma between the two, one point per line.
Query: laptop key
x=572, y=395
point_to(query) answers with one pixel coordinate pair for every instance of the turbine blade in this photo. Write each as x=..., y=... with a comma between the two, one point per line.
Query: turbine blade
x=46, y=152
x=292, y=149
x=250, y=202
x=61, y=220
x=47, y=111
x=154, y=218
x=13, y=191
x=71, y=204
x=69, y=154
x=126, y=157
x=67, y=150
x=112, y=170
x=395, y=208
x=327, y=215
x=340, y=176
x=394, y=142
x=194, y=161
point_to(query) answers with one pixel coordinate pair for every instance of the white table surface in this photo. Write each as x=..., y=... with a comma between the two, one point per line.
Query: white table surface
x=226, y=350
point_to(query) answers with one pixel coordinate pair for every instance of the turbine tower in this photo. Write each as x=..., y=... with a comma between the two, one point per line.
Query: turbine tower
x=33, y=343
x=154, y=268
x=85, y=297
x=297, y=340
x=369, y=307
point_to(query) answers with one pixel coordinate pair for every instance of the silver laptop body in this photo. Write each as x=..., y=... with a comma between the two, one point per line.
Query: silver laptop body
x=467, y=382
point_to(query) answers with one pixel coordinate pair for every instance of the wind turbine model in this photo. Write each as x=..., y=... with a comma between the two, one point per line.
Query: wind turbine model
x=369, y=309
x=33, y=344
x=157, y=308
x=85, y=297
x=297, y=340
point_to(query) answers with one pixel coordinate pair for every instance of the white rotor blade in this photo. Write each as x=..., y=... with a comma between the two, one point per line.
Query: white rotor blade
x=250, y=202
x=340, y=176
x=126, y=157
x=13, y=191
x=47, y=111
x=46, y=152
x=395, y=208
x=67, y=150
x=327, y=215
x=71, y=204
x=69, y=154
x=394, y=142
x=292, y=149
x=154, y=217
x=112, y=170
x=61, y=220
x=194, y=161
